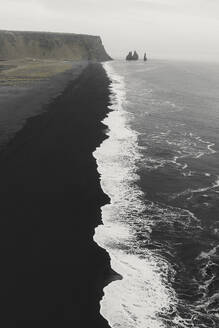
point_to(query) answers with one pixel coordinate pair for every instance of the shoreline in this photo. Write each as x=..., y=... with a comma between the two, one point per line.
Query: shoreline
x=51, y=199
x=27, y=92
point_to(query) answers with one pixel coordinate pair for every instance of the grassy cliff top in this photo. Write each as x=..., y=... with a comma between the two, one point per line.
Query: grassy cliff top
x=17, y=72
x=48, y=45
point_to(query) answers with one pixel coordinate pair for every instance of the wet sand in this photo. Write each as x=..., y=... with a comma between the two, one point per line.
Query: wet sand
x=50, y=197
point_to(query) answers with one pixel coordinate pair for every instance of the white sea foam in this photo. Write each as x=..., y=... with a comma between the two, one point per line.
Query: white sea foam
x=144, y=296
x=186, y=146
x=206, y=255
x=143, y=293
x=213, y=186
x=190, y=192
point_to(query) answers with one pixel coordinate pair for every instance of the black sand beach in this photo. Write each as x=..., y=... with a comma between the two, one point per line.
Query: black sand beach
x=53, y=273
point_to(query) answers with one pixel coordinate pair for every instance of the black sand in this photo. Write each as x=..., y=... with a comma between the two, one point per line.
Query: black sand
x=52, y=271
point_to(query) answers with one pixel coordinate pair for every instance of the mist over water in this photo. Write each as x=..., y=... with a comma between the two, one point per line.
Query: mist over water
x=159, y=167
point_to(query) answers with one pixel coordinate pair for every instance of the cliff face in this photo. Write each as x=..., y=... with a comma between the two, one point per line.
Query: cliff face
x=45, y=45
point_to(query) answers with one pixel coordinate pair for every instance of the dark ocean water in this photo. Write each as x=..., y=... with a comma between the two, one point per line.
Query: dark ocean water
x=160, y=166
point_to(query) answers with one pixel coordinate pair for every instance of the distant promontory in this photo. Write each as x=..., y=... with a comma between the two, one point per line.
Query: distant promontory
x=46, y=45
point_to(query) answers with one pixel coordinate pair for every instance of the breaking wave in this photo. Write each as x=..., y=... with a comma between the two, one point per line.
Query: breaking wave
x=150, y=236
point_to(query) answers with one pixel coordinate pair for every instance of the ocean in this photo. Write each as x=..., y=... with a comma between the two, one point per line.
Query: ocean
x=159, y=166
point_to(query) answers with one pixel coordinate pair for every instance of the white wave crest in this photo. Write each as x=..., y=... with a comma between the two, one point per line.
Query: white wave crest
x=137, y=300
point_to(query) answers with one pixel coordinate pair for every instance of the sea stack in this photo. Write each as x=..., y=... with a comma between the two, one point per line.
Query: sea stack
x=129, y=56
x=133, y=56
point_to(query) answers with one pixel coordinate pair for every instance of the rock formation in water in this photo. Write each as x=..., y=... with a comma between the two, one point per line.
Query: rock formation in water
x=131, y=56
x=135, y=56
x=45, y=45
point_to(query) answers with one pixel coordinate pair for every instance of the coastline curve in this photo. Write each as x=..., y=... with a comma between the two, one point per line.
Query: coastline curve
x=142, y=295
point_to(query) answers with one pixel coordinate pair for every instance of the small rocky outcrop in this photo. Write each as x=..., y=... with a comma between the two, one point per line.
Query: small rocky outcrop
x=133, y=56
x=129, y=56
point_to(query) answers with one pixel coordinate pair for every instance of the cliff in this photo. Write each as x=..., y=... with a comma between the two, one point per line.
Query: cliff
x=46, y=45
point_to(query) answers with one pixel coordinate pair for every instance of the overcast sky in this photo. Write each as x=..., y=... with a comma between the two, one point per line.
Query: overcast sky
x=164, y=28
